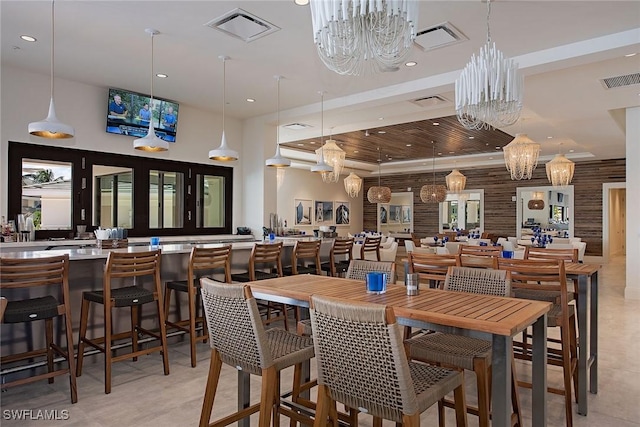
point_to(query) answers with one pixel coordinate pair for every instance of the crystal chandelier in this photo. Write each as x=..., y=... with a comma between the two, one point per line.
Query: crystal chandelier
x=51, y=127
x=334, y=157
x=456, y=181
x=357, y=36
x=560, y=171
x=521, y=156
x=379, y=194
x=353, y=185
x=433, y=193
x=489, y=90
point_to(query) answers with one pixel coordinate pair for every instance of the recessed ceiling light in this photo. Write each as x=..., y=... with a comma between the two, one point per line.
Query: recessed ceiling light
x=355, y=151
x=301, y=2
x=28, y=38
x=549, y=137
x=451, y=152
x=571, y=151
x=498, y=148
x=408, y=145
x=390, y=158
x=380, y=118
x=491, y=158
x=300, y=144
x=439, y=154
x=312, y=143
x=162, y=76
x=382, y=132
x=472, y=137
x=251, y=100
x=411, y=64
x=629, y=55
x=436, y=124
x=487, y=144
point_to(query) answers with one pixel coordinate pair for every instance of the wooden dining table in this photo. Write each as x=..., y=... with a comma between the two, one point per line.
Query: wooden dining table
x=496, y=319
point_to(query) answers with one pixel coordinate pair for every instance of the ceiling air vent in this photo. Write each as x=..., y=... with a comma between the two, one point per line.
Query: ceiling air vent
x=431, y=101
x=620, y=81
x=242, y=25
x=438, y=36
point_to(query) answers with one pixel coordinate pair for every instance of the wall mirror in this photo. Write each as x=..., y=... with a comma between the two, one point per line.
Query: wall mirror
x=547, y=207
x=396, y=217
x=464, y=211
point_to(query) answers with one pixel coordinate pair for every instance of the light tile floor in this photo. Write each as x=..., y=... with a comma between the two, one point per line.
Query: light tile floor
x=143, y=396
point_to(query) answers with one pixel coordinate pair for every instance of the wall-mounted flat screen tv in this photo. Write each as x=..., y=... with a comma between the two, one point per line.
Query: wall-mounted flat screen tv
x=129, y=113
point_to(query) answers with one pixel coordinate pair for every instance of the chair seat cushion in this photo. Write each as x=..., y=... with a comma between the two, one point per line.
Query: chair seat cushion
x=32, y=309
x=123, y=297
x=260, y=275
x=448, y=349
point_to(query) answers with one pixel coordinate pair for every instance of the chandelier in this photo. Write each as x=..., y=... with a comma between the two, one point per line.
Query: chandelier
x=334, y=157
x=379, y=194
x=560, y=171
x=357, y=36
x=433, y=193
x=456, y=181
x=353, y=185
x=489, y=90
x=521, y=156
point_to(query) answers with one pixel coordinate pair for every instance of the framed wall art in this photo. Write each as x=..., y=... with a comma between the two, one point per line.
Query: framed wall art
x=323, y=212
x=303, y=211
x=342, y=213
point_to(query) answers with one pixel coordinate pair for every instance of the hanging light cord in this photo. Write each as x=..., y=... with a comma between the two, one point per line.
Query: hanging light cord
x=152, y=36
x=379, y=164
x=433, y=162
x=53, y=36
x=224, y=89
x=278, y=118
x=322, y=127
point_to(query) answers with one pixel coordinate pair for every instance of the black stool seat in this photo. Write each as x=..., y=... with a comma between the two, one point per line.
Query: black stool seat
x=124, y=297
x=260, y=275
x=181, y=285
x=32, y=309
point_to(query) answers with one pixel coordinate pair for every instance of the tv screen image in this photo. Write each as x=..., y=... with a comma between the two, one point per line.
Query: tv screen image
x=129, y=113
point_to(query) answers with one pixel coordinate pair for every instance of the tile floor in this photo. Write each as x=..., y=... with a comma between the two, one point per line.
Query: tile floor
x=143, y=396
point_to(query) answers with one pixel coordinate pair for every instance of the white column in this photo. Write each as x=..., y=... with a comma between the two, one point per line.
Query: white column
x=632, y=289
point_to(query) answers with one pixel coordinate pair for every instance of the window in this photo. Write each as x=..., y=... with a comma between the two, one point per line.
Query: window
x=210, y=201
x=165, y=199
x=46, y=194
x=113, y=197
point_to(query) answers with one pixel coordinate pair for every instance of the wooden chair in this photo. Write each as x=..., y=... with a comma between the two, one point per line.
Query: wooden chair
x=461, y=352
x=566, y=254
x=340, y=257
x=45, y=277
x=119, y=267
x=202, y=261
x=239, y=339
x=265, y=262
x=371, y=247
x=431, y=267
x=479, y=256
x=545, y=276
x=362, y=363
x=304, y=251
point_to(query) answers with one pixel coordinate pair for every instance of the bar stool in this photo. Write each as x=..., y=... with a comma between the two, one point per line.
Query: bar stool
x=265, y=256
x=337, y=264
x=304, y=250
x=29, y=274
x=202, y=261
x=125, y=265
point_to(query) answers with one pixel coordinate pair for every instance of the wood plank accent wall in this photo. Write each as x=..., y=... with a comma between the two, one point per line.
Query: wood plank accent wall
x=499, y=210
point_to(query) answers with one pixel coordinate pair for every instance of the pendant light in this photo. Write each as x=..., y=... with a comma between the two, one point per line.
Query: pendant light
x=456, y=181
x=151, y=142
x=51, y=127
x=353, y=185
x=521, y=156
x=223, y=153
x=433, y=193
x=379, y=194
x=560, y=170
x=321, y=166
x=278, y=161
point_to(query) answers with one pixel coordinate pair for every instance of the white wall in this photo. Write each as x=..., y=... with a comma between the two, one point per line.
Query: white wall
x=617, y=223
x=633, y=200
x=303, y=184
x=25, y=98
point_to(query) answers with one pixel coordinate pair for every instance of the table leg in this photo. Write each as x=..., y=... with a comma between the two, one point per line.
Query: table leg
x=539, y=373
x=593, y=338
x=244, y=396
x=583, y=342
x=501, y=381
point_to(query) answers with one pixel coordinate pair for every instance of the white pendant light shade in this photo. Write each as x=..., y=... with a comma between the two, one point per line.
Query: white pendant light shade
x=278, y=161
x=456, y=181
x=321, y=166
x=521, y=156
x=353, y=185
x=560, y=171
x=334, y=157
x=150, y=142
x=51, y=127
x=223, y=153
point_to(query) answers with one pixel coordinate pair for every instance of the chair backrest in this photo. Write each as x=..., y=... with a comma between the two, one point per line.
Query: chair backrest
x=486, y=281
x=569, y=254
x=264, y=254
x=341, y=247
x=361, y=358
x=202, y=259
x=431, y=266
x=409, y=245
x=235, y=327
x=537, y=275
x=452, y=235
x=558, y=245
x=306, y=250
x=35, y=272
x=479, y=256
x=359, y=268
x=371, y=245
x=131, y=264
